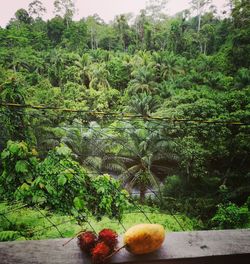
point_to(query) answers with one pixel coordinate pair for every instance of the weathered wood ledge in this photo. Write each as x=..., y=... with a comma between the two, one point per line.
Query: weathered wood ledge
x=226, y=246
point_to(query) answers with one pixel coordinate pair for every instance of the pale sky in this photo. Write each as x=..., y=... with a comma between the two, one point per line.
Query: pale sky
x=106, y=9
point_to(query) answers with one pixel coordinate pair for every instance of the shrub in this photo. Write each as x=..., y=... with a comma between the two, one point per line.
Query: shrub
x=59, y=183
x=230, y=216
x=19, y=164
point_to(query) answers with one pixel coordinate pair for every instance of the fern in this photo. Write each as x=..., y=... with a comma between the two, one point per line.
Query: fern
x=9, y=235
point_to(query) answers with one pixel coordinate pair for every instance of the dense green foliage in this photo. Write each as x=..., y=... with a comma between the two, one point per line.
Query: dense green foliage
x=58, y=183
x=170, y=68
x=231, y=216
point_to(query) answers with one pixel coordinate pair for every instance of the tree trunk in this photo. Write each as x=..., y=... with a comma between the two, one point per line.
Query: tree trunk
x=92, y=41
x=67, y=23
x=199, y=23
x=142, y=194
x=199, y=16
x=205, y=48
x=201, y=47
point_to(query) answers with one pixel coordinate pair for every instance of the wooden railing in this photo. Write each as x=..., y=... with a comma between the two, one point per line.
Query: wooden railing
x=226, y=246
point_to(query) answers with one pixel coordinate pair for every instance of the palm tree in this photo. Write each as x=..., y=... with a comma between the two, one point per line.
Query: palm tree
x=98, y=77
x=139, y=156
x=144, y=158
x=170, y=66
x=143, y=81
x=142, y=58
x=83, y=63
x=121, y=24
x=88, y=146
x=143, y=74
x=143, y=104
x=57, y=65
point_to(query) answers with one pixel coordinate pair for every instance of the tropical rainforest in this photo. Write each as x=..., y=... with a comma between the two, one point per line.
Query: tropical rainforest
x=147, y=114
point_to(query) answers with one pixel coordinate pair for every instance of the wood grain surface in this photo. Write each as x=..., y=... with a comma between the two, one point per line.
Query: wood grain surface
x=227, y=246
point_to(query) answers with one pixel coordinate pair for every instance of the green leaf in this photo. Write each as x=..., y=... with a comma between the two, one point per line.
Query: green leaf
x=22, y=238
x=78, y=203
x=24, y=187
x=21, y=166
x=74, y=212
x=33, y=161
x=29, y=180
x=14, y=148
x=50, y=189
x=5, y=154
x=62, y=180
x=69, y=173
x=8, y=235
x=101, y=189
x=41, y=185
x=38, y=199
x=63, y=150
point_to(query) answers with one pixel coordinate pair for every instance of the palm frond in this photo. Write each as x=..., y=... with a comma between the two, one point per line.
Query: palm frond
x=93, y=162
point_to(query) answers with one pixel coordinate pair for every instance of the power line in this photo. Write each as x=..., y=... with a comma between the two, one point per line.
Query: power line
x=126, y=115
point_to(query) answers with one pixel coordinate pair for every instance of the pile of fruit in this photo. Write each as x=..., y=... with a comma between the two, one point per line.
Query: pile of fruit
x=98, y=247
x=139, y=239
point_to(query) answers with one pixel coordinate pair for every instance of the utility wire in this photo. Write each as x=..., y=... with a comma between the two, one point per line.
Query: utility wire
x=126, y=115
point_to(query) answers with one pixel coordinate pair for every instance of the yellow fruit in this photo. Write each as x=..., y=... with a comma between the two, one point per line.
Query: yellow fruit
x=144, y=238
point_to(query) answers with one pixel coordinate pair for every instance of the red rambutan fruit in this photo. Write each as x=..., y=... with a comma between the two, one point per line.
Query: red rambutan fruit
x=100, y=253
x=109, y=237
x=87, y=241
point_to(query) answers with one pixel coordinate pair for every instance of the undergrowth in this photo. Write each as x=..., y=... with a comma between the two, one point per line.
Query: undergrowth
x=18, y=222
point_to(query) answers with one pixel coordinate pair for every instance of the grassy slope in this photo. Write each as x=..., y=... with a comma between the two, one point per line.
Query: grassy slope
x=26, y=223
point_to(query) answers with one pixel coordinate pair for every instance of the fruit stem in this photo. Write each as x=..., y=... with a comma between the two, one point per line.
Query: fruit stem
x=79, y=233
x=113, y=253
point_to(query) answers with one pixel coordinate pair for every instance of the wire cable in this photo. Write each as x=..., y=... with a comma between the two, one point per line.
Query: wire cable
x=126, y=115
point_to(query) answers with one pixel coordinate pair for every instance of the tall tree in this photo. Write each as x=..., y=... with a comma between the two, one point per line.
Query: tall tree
x=75, y=36
x=144, y=28
x=122, y=27
x=199, y=6
x=66, y=8
x=207, y=32
x=155, y=9
x=55, y=29
x=36, y=9
x=22, y=16
x=93, y=27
